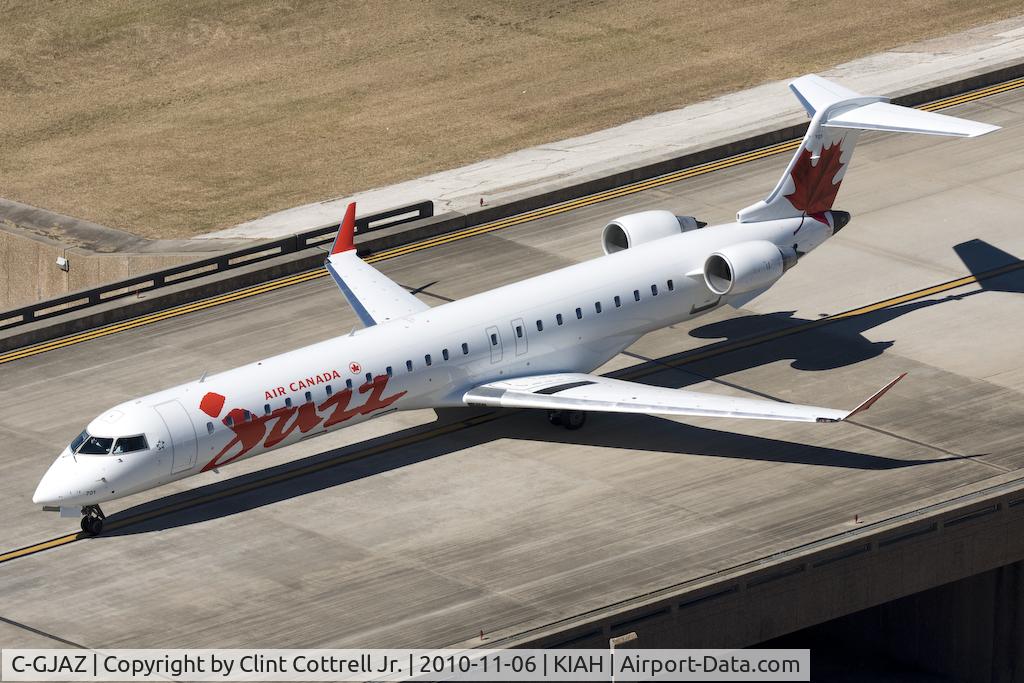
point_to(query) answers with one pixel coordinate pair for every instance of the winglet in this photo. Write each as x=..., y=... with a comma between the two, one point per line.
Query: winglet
x=345, y=241
x=877, y=395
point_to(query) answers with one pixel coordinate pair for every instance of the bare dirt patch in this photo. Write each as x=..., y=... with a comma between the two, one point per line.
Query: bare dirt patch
x=171, y=119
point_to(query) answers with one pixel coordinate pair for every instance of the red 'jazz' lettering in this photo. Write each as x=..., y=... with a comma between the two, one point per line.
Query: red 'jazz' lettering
x=305, y=420
x=339, y=403
x=250, y=433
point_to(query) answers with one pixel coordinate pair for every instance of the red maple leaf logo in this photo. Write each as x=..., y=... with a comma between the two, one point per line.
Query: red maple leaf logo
x=813, y=191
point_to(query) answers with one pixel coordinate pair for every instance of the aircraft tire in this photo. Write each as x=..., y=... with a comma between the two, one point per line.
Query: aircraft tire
x=92, y=525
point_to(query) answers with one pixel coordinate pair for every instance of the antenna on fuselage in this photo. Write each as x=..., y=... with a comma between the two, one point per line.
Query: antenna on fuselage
x=203, y=378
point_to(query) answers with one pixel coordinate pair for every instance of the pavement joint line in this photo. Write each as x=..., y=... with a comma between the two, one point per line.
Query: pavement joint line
x=412, y=439
x=44, y=634
x=543, y=212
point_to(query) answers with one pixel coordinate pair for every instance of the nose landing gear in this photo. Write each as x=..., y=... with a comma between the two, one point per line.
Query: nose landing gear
x=92, y=521
x=570, y=419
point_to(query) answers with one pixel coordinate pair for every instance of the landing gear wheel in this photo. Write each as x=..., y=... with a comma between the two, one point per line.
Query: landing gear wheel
x=555, y=417
x=574, y=419
x=92, y=522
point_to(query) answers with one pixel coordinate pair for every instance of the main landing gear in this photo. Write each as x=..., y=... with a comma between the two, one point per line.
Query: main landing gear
x=92, y=522
x=570, y=419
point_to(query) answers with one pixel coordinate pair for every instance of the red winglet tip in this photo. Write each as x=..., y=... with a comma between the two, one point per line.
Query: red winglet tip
x=877, y=395
x=345, y=241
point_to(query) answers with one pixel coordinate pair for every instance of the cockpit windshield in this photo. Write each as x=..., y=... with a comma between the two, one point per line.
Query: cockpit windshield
x=88, y=444
x=96, y=445
x=79, y=440
x=130, y=444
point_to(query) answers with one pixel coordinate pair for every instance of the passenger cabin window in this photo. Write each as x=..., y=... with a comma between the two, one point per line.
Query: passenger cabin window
x=558, y=318
x=408, y=366
x=230, y=421
x=389, y=371
x=671, y=285
x=494, y=339
x=540, y=326
x=266, y=409
x=309, y=397
x=579, y=314
x=654, y=290
x=130, y=444
x=519, y=331
x=369, y=377
x=348, y=383
x=246, y=416
x=465, y=348
x=209, y=428
x=330, y=389
x=636, y=294
x=96, y=445
x=426, y=359
x=287, y=402
x=597, y=306
x=618, y=301
x=444, y=354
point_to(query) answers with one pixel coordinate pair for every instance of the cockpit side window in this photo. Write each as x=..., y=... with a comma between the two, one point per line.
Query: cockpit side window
x=79, y=440
x=130, y=444
x=96, y=445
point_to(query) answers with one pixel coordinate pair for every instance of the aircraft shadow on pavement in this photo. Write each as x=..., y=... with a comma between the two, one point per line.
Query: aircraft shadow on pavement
x=605, y=430
x=834, y=345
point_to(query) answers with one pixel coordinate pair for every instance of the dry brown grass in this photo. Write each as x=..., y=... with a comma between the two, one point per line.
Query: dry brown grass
x=175, y=118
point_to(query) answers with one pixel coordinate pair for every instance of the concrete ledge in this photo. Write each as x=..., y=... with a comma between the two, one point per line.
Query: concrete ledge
x=414, y=231
x=873, y=565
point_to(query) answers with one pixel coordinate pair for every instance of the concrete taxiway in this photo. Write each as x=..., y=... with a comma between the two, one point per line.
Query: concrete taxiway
x=413, y=530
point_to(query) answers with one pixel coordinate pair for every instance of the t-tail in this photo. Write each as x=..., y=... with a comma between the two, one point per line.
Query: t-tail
x=838, y=115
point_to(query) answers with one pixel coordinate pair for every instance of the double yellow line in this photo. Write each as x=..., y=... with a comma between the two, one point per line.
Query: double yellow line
x=553, y=210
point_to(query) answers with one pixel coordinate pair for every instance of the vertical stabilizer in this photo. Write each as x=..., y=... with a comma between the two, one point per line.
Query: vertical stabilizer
x=838, y=115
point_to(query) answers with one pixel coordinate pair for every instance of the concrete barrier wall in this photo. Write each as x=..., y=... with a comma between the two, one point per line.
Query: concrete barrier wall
x=31, y=273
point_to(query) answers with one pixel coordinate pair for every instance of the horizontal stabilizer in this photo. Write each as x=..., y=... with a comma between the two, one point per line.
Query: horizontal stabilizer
x=838, y=115
x=893, y=118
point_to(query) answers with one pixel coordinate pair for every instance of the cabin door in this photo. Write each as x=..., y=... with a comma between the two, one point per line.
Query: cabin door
x=183, y=434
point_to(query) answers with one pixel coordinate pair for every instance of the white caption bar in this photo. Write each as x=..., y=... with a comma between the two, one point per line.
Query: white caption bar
x=402, y=665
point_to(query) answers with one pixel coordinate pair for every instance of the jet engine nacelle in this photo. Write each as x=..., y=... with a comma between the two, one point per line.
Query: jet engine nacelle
x=637, y=228
x=746, y=266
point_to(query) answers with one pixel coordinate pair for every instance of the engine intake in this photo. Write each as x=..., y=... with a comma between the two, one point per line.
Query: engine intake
x=637, y=228
x=746, y=266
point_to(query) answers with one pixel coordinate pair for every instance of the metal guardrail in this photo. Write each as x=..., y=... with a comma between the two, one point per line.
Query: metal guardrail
x=215, y=264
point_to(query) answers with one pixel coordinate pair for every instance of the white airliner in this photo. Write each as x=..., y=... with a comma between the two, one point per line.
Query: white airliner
x=526, y=345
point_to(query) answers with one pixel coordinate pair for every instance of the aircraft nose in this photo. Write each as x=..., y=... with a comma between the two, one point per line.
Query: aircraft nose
x=53, y=486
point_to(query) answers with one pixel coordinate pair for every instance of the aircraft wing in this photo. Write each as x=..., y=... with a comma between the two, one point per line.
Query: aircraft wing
x=576, y=391
x=374, y=297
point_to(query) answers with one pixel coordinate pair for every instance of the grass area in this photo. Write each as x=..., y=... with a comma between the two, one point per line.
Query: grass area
x=172, y=118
